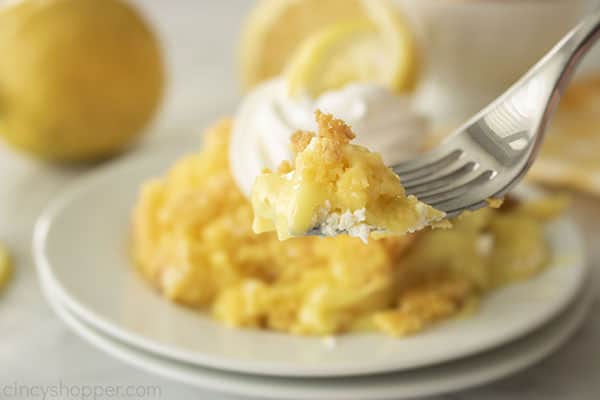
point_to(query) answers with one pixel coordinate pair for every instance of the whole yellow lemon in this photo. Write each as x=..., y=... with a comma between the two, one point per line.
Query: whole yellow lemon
x=79, y=79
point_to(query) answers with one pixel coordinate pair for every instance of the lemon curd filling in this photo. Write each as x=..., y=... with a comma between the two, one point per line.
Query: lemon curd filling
x=335, y=187
x=192, y=240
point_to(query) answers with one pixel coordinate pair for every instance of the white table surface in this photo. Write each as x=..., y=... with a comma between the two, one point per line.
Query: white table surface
x=199, y=38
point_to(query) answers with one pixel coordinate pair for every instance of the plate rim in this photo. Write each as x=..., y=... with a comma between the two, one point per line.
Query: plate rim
x=133, y=356
x=262, y=367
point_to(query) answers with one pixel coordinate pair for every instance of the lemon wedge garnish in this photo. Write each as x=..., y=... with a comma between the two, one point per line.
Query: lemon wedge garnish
x=5, y=265
x=379, y=49
x=276, y=29
x=345, y=52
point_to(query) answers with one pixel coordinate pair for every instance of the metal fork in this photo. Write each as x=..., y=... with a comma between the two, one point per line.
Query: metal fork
x=491, y=152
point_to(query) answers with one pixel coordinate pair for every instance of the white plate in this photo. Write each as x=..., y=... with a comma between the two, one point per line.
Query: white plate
x=449, y=377
x=81, y=242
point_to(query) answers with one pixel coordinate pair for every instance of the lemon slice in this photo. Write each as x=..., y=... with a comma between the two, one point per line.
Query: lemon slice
x=5, y=265
x=398, y=42
x=377, y=50
x=276, y=29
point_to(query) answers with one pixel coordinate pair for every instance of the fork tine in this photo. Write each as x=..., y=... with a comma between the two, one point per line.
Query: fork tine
x=446, y=186
x=435, y=181
x=425, y=164
x=441, y=197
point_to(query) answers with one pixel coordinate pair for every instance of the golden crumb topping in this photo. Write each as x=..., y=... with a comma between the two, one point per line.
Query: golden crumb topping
x=335, y=132
x=300, y=141
x=494, y=203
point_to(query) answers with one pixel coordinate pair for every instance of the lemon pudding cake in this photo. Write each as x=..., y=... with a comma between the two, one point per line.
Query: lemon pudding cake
x=335, y=187
x=193, y=241
x=192, y=229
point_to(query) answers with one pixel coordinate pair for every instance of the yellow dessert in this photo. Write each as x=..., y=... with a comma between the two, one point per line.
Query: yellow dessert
x=335, y=187
x=193, y=240
x=193, y=236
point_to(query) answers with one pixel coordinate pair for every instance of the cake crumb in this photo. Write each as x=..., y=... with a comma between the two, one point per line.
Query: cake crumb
x=494, y=203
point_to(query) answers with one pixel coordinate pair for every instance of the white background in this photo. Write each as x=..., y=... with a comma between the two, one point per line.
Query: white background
x=199, y=39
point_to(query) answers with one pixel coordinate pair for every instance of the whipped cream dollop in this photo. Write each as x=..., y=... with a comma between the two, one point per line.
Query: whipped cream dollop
x=382, y=121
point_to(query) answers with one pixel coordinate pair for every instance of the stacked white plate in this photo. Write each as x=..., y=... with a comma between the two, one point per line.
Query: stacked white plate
x=81, y=249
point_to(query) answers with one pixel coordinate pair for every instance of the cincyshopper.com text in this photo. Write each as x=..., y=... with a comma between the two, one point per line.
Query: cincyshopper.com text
x=64, y=391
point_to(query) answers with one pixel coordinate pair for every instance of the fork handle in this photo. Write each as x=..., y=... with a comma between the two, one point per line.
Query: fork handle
x=539, y=91
x=549, y=78
x=575, y=45
x=505, y=137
